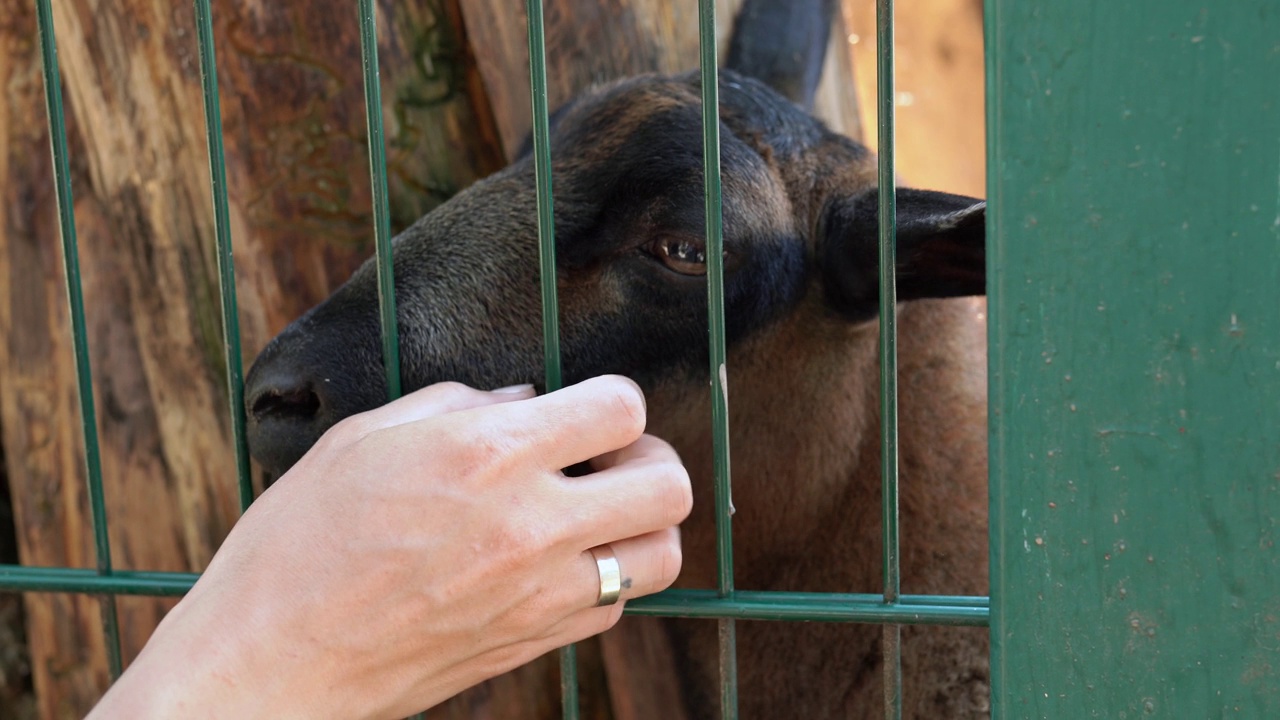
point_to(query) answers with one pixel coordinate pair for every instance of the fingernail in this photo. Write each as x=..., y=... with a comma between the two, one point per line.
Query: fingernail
x=514, y=389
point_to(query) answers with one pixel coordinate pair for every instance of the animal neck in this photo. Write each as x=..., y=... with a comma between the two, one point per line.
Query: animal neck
x=805, y=434
x=801, y=396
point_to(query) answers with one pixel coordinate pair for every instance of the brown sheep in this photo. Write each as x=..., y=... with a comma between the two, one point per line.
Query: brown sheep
x=801, y=300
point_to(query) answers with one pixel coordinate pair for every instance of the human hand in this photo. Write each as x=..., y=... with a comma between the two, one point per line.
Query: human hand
x=416, y=550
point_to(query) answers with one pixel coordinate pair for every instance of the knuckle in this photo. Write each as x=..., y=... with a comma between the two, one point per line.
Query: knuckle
x=628, y=403
x=443, y=397
x=448, y=390
x=475, y=451
x=351, y=429
x=677, y=492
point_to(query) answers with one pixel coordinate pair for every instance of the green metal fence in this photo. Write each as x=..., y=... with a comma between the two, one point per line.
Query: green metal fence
x=1050, y=515
x=724, y=603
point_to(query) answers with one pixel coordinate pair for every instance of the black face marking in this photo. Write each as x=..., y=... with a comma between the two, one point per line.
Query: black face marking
x=628, y=191
x=631, y=255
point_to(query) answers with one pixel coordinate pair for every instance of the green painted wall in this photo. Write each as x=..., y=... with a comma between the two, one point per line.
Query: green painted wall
x=1135, y=373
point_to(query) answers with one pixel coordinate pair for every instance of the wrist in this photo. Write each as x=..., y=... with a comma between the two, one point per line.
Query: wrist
x=202, y=664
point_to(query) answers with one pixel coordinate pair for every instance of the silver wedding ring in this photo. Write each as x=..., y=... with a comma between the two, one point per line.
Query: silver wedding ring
x=610, y=575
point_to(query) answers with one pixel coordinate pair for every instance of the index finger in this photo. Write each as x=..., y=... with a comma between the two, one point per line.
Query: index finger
x=571, y=425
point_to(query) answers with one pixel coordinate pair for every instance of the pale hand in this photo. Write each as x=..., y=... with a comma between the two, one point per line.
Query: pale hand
x=417, y=550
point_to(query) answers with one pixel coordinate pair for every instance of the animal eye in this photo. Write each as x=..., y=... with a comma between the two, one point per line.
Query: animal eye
x=687, y=257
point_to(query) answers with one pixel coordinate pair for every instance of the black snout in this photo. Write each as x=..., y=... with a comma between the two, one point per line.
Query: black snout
x=287, y=412
x=304, y=382
x=291, y=399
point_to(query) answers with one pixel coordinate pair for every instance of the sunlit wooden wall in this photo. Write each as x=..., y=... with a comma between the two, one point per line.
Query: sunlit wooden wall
x=939, y=62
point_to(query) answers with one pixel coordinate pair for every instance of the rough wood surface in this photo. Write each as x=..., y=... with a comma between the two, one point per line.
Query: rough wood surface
x=595, y=42
x=939, y=79
x=300, y=217
x=37, y=391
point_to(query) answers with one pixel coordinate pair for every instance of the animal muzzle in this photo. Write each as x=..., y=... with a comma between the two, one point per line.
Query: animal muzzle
x=303, y=383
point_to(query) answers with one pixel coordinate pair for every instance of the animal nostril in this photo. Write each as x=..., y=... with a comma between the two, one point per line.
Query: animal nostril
x=299, y=403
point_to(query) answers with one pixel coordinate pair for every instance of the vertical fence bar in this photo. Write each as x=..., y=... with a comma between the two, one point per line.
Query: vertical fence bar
x=79, y=339
x=708, y=63
x=546, y=219
x=381, y=213
x=547, y=275
x=222, y=232
x=888, y=353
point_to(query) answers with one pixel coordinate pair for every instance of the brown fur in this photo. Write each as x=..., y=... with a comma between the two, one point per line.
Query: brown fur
x=803, y=376
x=804, y=405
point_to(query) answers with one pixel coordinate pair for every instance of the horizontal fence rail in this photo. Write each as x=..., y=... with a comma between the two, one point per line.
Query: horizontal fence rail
x=724, y=603
x=743, y=605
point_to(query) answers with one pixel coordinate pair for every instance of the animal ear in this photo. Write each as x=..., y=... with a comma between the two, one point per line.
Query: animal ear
x=782, y=44
x=941, y=249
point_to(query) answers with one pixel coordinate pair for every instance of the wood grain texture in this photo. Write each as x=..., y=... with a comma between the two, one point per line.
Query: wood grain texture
x=939, y=83
x=300, y=218
x=37, y=396
x=591, y=43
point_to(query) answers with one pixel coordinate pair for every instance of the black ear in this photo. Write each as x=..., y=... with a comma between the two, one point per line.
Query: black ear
x=783, y=44
x=941, y=250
